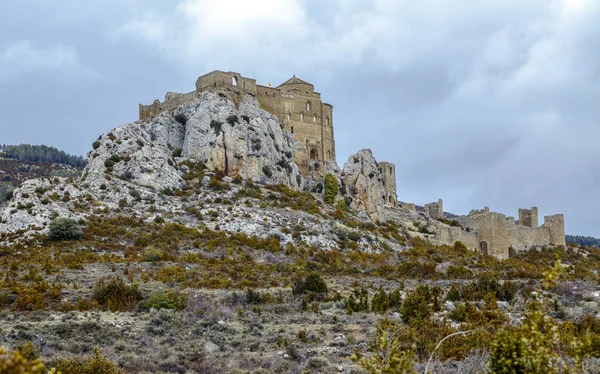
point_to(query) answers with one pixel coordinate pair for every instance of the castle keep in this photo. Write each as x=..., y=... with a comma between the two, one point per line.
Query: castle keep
x=295, y=103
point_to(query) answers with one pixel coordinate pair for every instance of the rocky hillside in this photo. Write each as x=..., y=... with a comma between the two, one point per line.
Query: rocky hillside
x=192, y=244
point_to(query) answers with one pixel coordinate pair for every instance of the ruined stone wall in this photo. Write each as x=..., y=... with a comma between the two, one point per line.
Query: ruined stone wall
x=217, y=79
x=388, y=173
x=556, y=226
x=409, y=206
x=528, y=217
x=269, y=99
x=435, y=210
x=522, y=238
x=450, y=235
x=492, y=233
x=172, y=101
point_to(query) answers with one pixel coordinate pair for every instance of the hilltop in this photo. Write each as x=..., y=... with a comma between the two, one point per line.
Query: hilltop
x=193, y=242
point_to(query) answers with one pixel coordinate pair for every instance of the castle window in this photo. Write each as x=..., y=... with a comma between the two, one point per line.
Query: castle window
x=301, y=116
x=292, y=129
x=327, y=121
x=314, y=118
x=329, y=155
x=308, y=106
x=390, y=170
x=313, y=154
x=234, y=80
x=289, y=116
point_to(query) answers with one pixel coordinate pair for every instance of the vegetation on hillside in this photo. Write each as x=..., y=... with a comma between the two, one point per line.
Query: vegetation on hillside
x=586, y=241
x=41, y=153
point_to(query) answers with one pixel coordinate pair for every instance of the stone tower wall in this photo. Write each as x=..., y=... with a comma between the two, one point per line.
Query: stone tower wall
x=492, y=233
x=435, y=210
x=528, y=217
x=556, y=226
x=388, y=173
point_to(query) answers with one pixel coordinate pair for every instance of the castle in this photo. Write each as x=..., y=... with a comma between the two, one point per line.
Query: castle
x=301, y=111
x=295, y=103
x=494, y=233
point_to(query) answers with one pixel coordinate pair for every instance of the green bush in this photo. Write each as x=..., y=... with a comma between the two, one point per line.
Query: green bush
x=64, y=229
x=96, y=364
x=116, y=295
x=331, y=189
x=312, y=283
x=416, y=304
x=15, y=363
x=177, y=152
x=160, y=300
x=232, y=120
x=181, y=118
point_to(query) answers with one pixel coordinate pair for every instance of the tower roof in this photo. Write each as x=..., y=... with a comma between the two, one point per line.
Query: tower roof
x=294, y=80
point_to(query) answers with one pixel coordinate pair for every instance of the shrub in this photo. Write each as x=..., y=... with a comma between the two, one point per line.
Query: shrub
x=331, y=189
x=416, y=305
x=116, y=295
x=216, y=126
x=15, y=363
x=160, y=300
x=64, y=229
x=388, y=358
x=152, y=255
x=96, y=144
x=96, y=364
x=177, y=152
x=181, y=118
x=232, y=120
x=246, y=118
x=312, y=283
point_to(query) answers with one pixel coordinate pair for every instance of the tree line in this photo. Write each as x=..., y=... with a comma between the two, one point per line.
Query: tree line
x=41, y=153
x=587, y=241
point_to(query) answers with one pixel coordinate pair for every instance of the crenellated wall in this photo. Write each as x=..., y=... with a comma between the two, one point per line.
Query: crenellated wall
x=496, y=232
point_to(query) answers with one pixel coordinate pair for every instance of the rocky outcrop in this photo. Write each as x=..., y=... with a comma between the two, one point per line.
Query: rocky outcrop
x=364, y=184
x=237, y=139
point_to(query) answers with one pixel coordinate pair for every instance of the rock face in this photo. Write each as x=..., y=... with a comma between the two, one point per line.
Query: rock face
x=239, y=140
x=364, y=183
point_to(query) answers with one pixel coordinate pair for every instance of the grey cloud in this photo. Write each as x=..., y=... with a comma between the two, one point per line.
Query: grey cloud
x=480, y=103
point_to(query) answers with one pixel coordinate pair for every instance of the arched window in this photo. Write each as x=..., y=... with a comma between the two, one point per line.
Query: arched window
x=289, y=116
x=313, y=154
x=315, y=118
x=234, y=80
x=484, y=247
x=301, y=116
x=308, y=105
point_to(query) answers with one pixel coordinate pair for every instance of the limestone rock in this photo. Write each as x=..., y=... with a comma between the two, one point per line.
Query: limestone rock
x=239, y=140
x=364, y=183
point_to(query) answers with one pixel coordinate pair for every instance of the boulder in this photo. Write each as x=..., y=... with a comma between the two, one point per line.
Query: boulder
x=364, y=183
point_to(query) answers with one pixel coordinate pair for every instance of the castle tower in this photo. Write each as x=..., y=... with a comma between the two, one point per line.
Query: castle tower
x=528, y=217
x=435, y=210
x=556, y=226
x=388, y=173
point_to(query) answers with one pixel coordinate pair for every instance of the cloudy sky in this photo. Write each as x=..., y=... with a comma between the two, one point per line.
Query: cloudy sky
x=491, y=102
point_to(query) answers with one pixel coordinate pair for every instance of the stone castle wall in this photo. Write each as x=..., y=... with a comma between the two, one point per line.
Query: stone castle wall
x=496, y=232
x=388, y=173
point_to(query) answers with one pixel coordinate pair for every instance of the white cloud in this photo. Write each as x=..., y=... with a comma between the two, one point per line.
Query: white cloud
x=23, y=57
